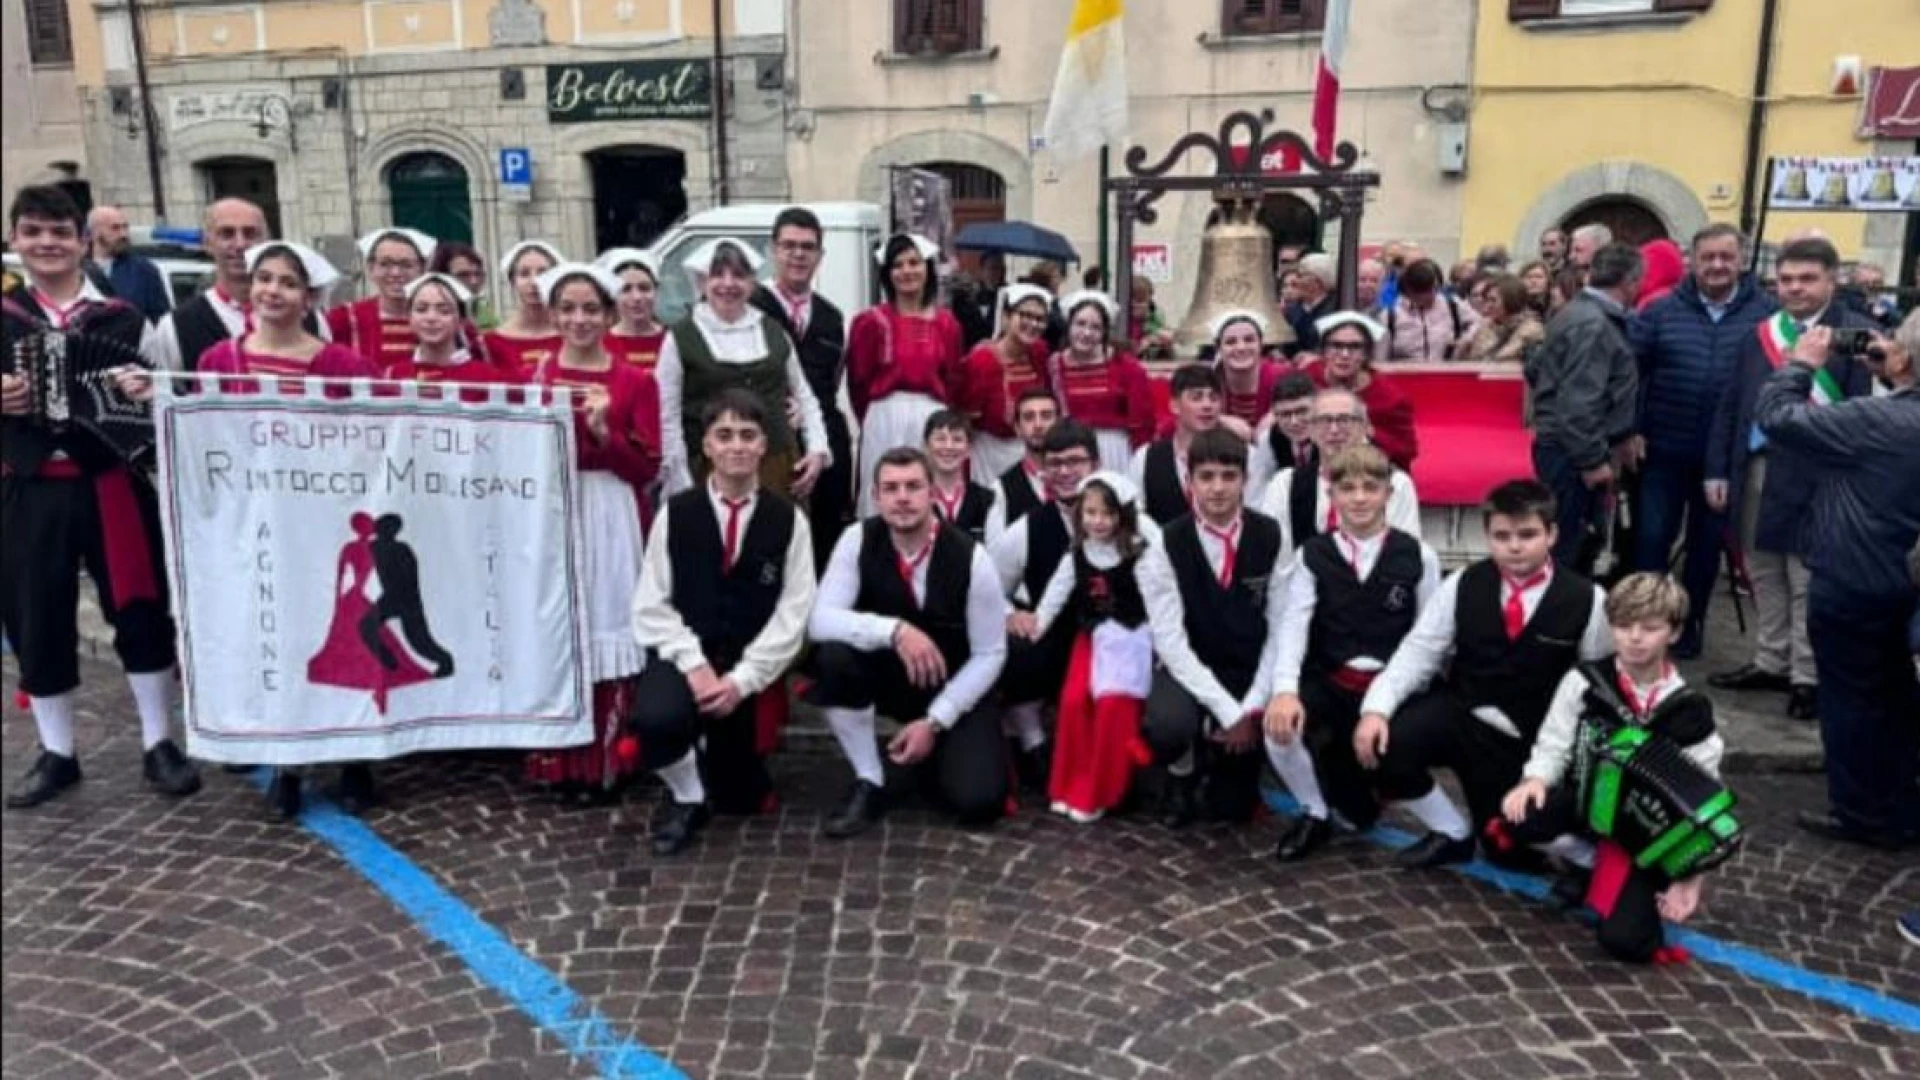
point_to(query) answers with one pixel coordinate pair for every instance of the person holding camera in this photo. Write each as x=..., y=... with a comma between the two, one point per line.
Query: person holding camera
x=1767, y=489
x=1865, y=522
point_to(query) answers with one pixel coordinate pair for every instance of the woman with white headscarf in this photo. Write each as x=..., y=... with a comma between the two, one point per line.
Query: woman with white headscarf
x=999, y=370
x=439, y=310
x=376, y=327
x=618, y=458
x=1247, y=376
x=528, y=338
x=1347, y=343
x=637, y=335
x=284, y=278
x=1100, y=385
x=726, y=342
x=903, y=354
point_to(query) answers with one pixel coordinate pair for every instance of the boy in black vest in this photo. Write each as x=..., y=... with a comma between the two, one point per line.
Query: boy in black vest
x=1301, y=500
x=910, y=622
x=1506, y=629
x=1159, y=469
x=1214, y=586
x=958, y=500
x=70, y=501
x=1647, y=613
x=1351, y=598
x=1285, y=442
x=1024, y=487
x=725, y=589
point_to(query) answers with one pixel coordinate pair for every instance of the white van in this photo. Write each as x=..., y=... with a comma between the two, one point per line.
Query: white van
x=846, y=276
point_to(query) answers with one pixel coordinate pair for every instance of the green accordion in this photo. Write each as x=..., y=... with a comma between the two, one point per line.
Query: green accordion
x=1640, y=790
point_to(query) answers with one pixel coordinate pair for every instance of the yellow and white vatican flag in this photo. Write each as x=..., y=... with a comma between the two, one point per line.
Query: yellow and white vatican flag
x=1089, y=106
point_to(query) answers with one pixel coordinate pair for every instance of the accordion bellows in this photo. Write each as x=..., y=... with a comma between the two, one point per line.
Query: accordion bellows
x=1668, y=814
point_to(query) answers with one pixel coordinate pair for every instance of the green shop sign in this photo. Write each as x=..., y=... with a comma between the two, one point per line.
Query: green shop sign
x=629, y=90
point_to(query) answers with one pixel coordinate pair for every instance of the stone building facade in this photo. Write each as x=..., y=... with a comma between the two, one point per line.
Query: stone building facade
x=40, y=133
x=340, y=115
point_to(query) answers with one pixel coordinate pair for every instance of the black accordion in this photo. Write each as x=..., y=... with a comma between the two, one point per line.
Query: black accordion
x=72, y=378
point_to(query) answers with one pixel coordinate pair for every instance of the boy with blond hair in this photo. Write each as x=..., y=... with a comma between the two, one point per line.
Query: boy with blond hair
x=1646, y=612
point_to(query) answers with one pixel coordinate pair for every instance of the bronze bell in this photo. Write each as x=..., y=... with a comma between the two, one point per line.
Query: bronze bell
x=1236, y=271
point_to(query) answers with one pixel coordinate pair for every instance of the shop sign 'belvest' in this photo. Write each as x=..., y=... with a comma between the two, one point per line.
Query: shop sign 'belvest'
x=629, y=90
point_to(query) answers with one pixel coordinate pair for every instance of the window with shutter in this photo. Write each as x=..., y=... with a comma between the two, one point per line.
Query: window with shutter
x=49, y=38
x=922, y=27
x=1519, y=10
x=1239, y=17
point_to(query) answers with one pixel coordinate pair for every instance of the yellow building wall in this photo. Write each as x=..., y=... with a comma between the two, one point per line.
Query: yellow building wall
x=1547, y=104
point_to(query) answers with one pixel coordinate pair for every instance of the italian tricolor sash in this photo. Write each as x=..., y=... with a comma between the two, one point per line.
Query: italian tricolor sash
x=1777, y=337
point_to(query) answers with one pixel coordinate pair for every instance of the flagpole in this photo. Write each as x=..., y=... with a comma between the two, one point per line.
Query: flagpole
x=1106, y=257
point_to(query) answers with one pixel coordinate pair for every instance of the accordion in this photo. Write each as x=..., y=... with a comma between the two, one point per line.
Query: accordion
x=1639, y=789
x=71, y=376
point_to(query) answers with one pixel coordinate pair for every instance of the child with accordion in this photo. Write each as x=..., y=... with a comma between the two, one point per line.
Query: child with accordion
x=1628, y=754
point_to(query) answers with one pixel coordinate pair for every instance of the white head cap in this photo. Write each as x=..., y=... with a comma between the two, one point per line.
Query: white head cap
x=1227, y=318
x=449, y=282
x=1122, y=487
x=1012, y=296
x=513, y=255
x=615, y=260
x=551, y=281
x=320, y=273
x=1329, y=323
x=1075, y=300
x=928, y=250
x=700, y=263
x=414, y=238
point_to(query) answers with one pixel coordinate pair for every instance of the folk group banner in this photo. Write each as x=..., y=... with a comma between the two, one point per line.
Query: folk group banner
x=363, y=573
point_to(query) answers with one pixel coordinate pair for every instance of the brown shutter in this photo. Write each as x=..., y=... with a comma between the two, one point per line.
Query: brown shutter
x=1523, y=10
x=1682, y=5
x=974, y=17
x=49, y=36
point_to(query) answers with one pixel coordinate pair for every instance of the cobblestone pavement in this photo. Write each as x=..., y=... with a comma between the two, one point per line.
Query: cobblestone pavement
x=203, y=939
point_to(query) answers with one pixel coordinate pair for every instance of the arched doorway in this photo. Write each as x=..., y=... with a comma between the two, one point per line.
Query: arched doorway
x=637, y=192
x=252, y=179
x=1628, y=219
x=979, y=194
x=429, y=191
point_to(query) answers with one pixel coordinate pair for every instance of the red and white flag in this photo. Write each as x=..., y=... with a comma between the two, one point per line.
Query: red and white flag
x=1326, y=87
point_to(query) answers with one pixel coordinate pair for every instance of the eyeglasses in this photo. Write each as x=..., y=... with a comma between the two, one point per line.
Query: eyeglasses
x=1028, y=317
x=796, y=247
x=1344, y=420
x=1302, y=413
x=1062, y=464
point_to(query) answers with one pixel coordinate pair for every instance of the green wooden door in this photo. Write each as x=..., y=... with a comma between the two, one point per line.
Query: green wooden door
x=429, y=193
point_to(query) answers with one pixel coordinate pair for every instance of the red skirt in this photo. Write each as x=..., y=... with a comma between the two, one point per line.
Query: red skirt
x=1097, y=743
x=602, y=763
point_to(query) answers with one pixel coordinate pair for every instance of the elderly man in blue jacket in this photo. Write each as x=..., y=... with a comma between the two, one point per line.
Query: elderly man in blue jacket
x=1771, y=488
x=1865, y=522
x=1689, y=344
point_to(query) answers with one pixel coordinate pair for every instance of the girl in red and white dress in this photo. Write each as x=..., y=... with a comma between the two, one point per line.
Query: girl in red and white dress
x=1100, y=385
x=528, y=338
x=438, y=309
x=1247, y=375
x=637, y=335
x=619, y=458
x=997, y=372
x=285, y=278
x=903, y=355
x=1097, y=740
x=377, y=327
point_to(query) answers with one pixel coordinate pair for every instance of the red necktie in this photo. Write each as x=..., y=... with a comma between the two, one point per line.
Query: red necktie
x=1353, y=552
x=732, y=548
x=1300, y=455
x=797, y=313
x=1641, y=709
x=950, y=508
x=1516, y=611
x=1333, y=517
x=1033, y=473
x=908, y=566
x=1226, y=538
x=57, y=315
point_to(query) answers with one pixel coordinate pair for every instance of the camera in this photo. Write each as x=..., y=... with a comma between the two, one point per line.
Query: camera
x=1849, y=342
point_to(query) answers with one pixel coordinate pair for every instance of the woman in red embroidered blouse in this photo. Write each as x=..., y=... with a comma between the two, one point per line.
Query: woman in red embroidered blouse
x=438, y=308
x=637, y=335
x=619, y=458
x=1100, y=386
x=1239, y=350
x=528, y=338
x=376, y=327
x=903, y=355
x=281, y=293
x=1347, y=341
x=997, y=372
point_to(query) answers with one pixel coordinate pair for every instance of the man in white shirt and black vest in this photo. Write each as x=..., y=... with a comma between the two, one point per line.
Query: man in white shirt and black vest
x=910, y=622
x=1301, y=500
x=726, y=586
x=819, y=333
x=1351, y=598
x=1024, y=487
x=1506, y=629
x=1285, y=441
x=183, y=335
x=71, y=501
x=1159, y=469
x=1214, y=584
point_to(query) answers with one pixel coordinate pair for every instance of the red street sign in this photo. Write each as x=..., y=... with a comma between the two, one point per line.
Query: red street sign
x=1892, y=106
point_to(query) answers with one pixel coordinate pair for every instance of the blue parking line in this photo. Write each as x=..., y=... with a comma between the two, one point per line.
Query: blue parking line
x=1754, y=964
x=585, y=1033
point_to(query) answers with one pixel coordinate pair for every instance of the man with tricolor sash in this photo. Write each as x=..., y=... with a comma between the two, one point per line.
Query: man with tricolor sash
x=1769, y=488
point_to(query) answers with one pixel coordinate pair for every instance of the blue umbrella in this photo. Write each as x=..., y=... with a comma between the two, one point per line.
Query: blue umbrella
x=1016, y=238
